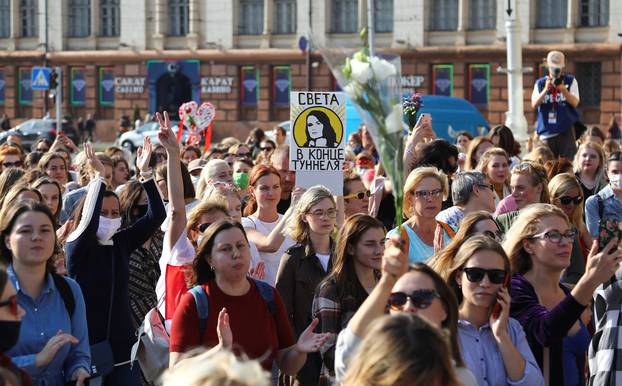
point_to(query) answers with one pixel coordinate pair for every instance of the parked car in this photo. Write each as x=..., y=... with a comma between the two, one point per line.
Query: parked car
x=33, y=129
x=133, y=139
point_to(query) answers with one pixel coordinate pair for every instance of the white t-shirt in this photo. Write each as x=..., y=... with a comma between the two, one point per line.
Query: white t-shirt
x=271, y=259
x=323, y=260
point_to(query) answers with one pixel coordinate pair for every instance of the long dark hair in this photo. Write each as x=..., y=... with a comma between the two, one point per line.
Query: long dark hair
x=327, y=132
x=506, y=139
x=7, y=222
x=129, y=198
x=343, y=275
x=201, y=270
x=451, y=308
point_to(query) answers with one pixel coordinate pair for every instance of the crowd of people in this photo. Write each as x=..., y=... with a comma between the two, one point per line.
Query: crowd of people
x=504, y=272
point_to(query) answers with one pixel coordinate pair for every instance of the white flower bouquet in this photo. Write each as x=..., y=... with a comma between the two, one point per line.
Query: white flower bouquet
x=373, y=85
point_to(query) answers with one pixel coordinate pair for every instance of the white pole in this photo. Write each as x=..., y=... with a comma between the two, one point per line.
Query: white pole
x=371, y=27
x=515, y=118
x=59, y=100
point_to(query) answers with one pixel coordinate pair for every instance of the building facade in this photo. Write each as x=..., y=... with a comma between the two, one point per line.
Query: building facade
x=121, y=57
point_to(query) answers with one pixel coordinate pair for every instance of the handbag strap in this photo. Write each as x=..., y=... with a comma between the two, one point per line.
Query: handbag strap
x=546, y=364
x=111, y=299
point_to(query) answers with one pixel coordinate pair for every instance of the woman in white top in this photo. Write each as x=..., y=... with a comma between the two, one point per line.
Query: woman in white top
x=263, y=224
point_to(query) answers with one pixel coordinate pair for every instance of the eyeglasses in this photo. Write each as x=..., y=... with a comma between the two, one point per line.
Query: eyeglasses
x=496, y=235
x=15, y=164
x=266, y=148
x=12, y=303
x=421, y=299
x=556, y=236
x=476, y=275
x=330, y=213
x=567, y=200
x=203, y=227
x=359, y=195
x=428, y=193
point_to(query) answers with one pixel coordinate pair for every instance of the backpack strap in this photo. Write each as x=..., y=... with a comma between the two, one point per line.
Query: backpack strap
x=450, y=231
x=405, y=237
x=267, y=294
x=200, y=299
x=65, y=293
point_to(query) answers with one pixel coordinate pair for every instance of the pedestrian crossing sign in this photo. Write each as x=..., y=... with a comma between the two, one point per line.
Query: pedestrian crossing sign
x=40, y=78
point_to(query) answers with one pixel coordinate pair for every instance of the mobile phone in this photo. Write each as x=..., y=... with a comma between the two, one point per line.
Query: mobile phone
x=425, y=119
x=496, y=309
x=607, y=230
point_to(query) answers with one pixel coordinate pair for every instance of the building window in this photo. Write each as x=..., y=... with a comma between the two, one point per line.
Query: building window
x=79, y=18
x=482, y=14
x=444, y=15
x=594, y=13
x=251, y=17
x=109, y=12
x=28, y=17
x=590, y=76
x=178, y=18
x=383, y=15
x=285, y=20
x=5, y=18
x=344, y=16
x=551, y=13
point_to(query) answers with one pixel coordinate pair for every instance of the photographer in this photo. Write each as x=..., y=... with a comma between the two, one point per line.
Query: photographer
x=556, y=96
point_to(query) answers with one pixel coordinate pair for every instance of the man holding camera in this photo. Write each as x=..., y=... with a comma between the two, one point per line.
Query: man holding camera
x=556, y=96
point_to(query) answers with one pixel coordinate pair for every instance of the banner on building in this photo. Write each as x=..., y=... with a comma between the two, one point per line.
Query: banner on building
x=106, y=86
x=281, y=85
x=317, y=138
x=443, y=79
x=78, y=86
x=2, y=86
x=24, y=90
x=249, y=86
x=479, y=84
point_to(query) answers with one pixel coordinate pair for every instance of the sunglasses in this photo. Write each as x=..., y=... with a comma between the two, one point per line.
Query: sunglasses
x=566, y=200
x=16, y=164
x=359, y=195
x=476, y=275
x=421, y=299
x=425, y=194
x=266, y=148
x=496, y=235
x=204, y=226
x=12, y=303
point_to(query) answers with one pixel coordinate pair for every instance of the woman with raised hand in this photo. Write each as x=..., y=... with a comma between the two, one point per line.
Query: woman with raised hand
x=566, y=193
x=235, y=311
x=539, y=245
x=98, y=255
x=356, y=263
x=492, y=344
x=263, y=224
x=53, y=345
x=404, y=289
x=305, y=265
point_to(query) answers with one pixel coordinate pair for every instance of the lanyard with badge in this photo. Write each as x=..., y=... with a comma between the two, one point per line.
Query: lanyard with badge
x=552, y=119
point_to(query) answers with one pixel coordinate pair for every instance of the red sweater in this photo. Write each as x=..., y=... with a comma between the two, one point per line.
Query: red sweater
x=256, y=333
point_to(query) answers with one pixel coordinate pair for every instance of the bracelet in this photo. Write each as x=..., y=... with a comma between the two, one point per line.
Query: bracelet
x=148, y=174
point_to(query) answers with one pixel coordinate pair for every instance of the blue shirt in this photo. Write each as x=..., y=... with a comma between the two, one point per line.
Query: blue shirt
x=451, y=216
x=612, y=209
x=418, y=251
x=565, y=114
x=481, y=355
x=45, y=316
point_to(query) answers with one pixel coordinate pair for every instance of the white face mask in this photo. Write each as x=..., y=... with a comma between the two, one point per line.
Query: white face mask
x=195, y=180
x=107, y=227
x=614, y=181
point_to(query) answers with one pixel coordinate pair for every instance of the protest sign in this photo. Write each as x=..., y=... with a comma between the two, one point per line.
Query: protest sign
x=317, y=142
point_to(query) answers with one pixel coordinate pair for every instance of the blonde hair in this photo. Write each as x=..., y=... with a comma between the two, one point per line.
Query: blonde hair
x=208, y=173
x=415, y=177
x=401, y=350
x=537, y=176
x=216, y=369
x=298, y=229
x=540, y=154
x=526, y=226
x=204, y=207
x=486, y=158
x=559, y=185
x=600, y=172
x=469, y=248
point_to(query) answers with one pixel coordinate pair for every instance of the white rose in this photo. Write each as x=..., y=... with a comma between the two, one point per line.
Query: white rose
x=382, y=69
x=352, y=90
x=361, y=71
x=394, y=122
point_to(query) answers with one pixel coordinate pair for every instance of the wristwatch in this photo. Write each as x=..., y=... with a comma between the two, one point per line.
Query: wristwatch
x=144, y=176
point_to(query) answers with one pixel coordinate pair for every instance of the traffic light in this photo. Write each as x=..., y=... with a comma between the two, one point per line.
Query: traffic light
x=53, y=80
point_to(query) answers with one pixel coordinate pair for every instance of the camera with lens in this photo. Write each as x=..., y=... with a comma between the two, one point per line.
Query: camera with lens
x=557, y=76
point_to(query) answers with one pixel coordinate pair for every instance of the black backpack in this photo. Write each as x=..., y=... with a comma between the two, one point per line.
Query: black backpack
x=65, y=293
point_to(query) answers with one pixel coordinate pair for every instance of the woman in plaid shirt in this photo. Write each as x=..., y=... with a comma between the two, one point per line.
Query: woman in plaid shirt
x=356, y=266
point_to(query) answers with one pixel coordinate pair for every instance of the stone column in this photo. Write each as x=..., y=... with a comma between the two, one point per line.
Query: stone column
x=571, y=21
x=268, y=7
x=193, y=24
x=463, y=22
x=160, y=26
x=133, y=18
x=408, y=23
x=95, y=30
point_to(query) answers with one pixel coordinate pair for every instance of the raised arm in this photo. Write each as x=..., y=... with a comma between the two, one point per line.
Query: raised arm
x=177, y=204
